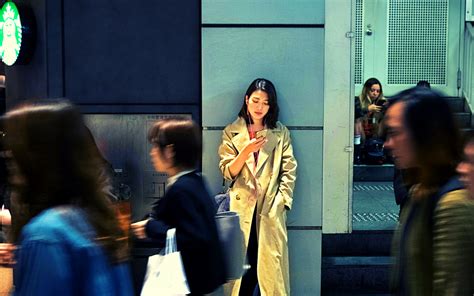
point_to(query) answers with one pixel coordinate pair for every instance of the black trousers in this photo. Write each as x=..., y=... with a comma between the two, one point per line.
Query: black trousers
x=249, y=280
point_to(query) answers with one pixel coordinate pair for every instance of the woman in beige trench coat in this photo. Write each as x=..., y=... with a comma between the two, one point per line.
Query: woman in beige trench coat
x=257, y=155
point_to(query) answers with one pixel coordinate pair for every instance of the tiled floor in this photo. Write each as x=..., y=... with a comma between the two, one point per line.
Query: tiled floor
x=373, y=206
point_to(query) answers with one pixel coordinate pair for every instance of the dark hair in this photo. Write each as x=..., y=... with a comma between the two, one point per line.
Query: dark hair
x=435, y=136
x=423, y=83
x=106, y=170
x=55, y=163
x=365, y=91
x=468, y=138
x=183, y=134
x=371, y=81
x=267, y=86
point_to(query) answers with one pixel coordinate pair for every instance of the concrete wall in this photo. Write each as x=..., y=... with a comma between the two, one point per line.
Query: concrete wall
x=338, y=117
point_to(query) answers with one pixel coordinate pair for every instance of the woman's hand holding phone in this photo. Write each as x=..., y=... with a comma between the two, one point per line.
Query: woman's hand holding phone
x=260, y=134
x=375, y=108
x=255, y=144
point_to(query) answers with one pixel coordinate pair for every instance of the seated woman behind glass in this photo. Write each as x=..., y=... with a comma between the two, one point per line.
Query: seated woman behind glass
x=372, y=103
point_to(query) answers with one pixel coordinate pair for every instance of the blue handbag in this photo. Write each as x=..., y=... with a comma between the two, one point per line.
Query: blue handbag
x=232, y=241
x=222, y=199
x=222, y=202
x=230, y=234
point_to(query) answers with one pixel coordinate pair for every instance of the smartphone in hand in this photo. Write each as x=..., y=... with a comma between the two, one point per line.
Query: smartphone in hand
x=260, y=134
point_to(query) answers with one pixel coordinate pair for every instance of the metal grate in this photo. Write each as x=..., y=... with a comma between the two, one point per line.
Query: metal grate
x=373, y=187
x=375, y=217
x=417, y=41
x=358, y=50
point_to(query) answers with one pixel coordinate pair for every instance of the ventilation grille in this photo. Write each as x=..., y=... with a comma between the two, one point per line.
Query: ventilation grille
x=375, y=217
x=359, y=20
x=373, y=187
x=417, y=41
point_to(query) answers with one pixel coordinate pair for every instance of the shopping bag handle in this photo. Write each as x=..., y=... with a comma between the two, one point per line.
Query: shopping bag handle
x=171, y=246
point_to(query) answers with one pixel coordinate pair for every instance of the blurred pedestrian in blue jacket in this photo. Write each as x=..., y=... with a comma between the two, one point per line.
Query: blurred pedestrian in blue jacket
x=69, y=241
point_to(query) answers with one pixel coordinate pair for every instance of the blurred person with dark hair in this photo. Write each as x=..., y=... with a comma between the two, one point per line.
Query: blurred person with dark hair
x=428, y=245
x=466, y=166
x=106, y=171
x=401, y=187
x=186, y=206
x=465, y=209
x=7, y=249
x=423, y=83
x=5, y=190
x=69, y=241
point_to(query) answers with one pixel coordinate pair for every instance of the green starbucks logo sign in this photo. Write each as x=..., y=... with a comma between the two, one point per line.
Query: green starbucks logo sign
x=10, y=33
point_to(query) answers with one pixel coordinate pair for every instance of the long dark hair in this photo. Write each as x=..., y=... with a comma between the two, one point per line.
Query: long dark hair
x=435, y=136
x=364, y=100
x=56, y=164
x=267, y=86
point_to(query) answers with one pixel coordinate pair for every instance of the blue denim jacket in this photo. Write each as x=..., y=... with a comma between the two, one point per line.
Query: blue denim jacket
x=56, y=256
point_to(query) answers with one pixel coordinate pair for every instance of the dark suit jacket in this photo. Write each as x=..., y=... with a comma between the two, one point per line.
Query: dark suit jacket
x=188, y=207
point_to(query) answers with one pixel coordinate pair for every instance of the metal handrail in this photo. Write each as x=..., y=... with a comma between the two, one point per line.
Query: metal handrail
x=468, y=75
x=470, y=29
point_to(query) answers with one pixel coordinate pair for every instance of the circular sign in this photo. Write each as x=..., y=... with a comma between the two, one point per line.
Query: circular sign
x=17, y=33
x=10, y=33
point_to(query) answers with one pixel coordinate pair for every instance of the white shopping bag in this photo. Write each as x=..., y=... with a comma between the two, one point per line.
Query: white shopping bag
x=165, y=272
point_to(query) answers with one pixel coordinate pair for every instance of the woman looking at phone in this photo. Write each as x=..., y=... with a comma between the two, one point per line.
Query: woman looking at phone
x=373, y=105
x=257, y=156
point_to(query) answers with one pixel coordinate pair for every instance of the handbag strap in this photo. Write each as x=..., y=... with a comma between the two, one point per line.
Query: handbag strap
x=224, y=187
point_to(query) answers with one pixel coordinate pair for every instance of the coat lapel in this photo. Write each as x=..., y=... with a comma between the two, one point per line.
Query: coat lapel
x=241, y=139
x=267, y=149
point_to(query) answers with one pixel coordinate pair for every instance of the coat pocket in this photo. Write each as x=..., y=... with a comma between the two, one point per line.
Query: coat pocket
x=275, y=208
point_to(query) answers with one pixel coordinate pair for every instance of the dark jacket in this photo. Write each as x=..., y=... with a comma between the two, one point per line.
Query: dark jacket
x=433, y=248
x=188, y=207
x=400, y=188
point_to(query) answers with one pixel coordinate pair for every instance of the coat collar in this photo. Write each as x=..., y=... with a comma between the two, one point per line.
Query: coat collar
x=241, y=138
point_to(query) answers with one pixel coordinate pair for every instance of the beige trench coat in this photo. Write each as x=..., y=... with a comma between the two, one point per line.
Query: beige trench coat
x=272, y=182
